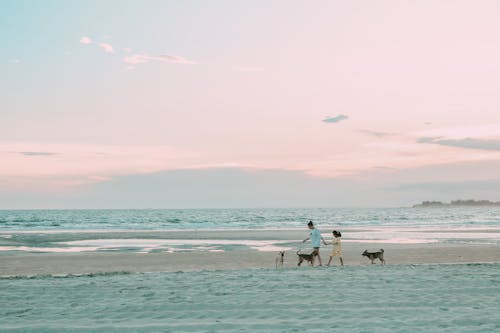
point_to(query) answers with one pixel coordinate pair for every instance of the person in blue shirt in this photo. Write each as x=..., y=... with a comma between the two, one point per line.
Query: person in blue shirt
x=316, y=238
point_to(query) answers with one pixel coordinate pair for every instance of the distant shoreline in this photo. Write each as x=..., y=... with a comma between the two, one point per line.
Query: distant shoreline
x=459, y=203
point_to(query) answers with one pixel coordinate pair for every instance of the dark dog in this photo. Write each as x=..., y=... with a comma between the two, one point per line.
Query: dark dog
x=374, y=255
x=306, y=257
x=280, y=259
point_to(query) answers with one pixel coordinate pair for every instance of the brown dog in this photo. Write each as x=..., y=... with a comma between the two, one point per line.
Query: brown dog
x=306, y=257
x=374, y=255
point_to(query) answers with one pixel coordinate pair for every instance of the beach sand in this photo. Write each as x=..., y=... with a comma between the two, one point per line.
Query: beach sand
x=393, y=298
x=21, y=263
x=443, y=286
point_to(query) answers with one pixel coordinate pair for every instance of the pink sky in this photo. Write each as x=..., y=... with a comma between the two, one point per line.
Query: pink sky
x=193, y=86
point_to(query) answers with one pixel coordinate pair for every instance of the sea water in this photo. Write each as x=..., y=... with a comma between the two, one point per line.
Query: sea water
x=408, y=298
x=181, y=219
x=66, y=231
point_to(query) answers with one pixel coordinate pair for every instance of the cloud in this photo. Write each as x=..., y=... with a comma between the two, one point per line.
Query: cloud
x=74, y=163
x=36, y=153
x=335, y=119
x=467, y=143
x=478, y=131
x=85, y=40
x=453, y=187
x=144, y=58
x=376, y=134
x=182, y=188
x=247, y=68
x=135, y=59
x=244, y=187
x=108, y=48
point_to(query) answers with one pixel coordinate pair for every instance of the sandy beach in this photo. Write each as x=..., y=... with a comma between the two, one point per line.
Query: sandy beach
x=252, y=249
x=435, y=279
x=392, y=298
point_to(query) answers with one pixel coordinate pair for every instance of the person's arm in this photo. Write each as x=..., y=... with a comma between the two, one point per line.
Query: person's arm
x=324, y=241
x=305, y=240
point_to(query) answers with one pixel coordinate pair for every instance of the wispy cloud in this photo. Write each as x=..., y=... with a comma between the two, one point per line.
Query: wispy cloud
x=478, y=131
x=335, y=119
x=108, y=48
x=468, y=143
x=85, y=40
x=376, y=133
x=247, y=68
x=144, y=58
x=80, y=161
x=36, y=153
x=134, y=59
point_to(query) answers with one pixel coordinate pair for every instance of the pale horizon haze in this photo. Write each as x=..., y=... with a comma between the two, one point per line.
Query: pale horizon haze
x=221, y=104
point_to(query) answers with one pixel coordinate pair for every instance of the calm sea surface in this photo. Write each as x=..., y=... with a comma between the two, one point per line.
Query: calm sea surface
x=245, y=218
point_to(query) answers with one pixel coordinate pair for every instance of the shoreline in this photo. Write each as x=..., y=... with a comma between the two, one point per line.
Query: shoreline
x=51, y=264
x=138, y=251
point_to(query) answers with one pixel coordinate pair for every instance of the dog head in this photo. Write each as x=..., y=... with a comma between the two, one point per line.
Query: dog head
x=365, y=253
x=281, y=254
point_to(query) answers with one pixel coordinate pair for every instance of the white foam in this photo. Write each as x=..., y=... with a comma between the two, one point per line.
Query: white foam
x=166, y=244
x=393, y=241
x=420, y=236
x=49, y=249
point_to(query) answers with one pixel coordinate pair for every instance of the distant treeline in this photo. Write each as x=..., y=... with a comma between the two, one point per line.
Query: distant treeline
x=458, y=203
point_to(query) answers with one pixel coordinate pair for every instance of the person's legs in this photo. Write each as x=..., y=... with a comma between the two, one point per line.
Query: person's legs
x=315, y=253
x=329, y=261
x=341, y=261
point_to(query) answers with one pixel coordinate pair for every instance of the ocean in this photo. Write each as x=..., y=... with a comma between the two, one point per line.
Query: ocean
x=182, y=219
x=112, y=230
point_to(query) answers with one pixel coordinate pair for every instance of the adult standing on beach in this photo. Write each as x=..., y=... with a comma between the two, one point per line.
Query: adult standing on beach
x=316, y=238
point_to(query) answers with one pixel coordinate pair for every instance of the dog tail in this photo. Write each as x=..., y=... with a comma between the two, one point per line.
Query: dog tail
x=382, y=250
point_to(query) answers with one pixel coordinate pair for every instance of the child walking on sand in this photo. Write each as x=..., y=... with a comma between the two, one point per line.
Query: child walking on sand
x=337, y=247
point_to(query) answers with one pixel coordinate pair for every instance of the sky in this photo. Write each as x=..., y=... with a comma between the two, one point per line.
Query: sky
x=204, y=104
